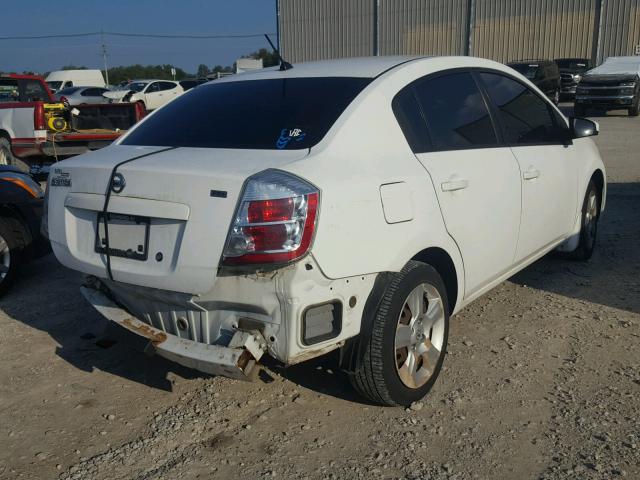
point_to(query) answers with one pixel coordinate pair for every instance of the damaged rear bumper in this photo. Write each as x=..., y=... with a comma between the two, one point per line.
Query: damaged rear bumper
x=238, y=360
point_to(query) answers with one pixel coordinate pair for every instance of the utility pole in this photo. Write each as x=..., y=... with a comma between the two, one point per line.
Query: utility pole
x=104, y=58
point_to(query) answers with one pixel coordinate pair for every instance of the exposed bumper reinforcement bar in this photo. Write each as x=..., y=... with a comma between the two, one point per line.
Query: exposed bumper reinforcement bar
x=238, y=360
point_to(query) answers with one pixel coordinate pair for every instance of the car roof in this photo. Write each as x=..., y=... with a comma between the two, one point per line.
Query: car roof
x=365, y=67
x=149, y=80
x=533, y=61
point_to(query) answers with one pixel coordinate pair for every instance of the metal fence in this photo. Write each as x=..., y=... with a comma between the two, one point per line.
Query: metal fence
x=502, y=30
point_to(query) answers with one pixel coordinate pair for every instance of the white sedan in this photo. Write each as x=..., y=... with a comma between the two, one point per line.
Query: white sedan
x=352, y=204
x=151, y=93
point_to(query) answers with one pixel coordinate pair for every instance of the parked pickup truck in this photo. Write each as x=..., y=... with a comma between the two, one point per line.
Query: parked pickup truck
x=33, y=124
x=571, y=71
x=613, y=85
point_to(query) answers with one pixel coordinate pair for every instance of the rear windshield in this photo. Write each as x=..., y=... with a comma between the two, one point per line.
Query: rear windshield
x=527, y=69
x=68, y=90
x=292, y=113
x=573, y=64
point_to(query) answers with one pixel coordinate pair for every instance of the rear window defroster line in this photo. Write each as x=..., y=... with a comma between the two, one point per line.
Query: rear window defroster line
x=108, y=197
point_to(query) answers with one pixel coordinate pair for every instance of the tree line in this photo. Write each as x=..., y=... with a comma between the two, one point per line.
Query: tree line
x=163, y=72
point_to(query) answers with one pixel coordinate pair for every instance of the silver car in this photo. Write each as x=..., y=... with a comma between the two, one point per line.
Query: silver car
x=81, y=95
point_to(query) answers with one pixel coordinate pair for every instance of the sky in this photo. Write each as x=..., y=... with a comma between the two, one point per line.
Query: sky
x=216, y=17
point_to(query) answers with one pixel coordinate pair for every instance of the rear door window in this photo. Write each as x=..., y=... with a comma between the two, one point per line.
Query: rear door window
x=167, y=85
x=291, y=113
x=456, y=113
x=526, y=118
x=153, y=87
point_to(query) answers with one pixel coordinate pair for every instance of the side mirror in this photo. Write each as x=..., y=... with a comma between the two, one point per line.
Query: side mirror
x=583, y=127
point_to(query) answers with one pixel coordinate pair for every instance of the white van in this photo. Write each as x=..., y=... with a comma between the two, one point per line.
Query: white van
x=74, y=78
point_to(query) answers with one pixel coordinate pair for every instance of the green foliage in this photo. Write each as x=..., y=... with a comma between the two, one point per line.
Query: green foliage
x=203, y=71
x=221, y=69
x=134, y=72
x=163, y=72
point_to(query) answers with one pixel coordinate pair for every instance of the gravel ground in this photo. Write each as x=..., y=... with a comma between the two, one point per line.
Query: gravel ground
x=542, y=380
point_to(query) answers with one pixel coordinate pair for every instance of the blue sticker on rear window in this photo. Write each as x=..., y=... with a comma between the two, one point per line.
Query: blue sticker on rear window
x=288, y=135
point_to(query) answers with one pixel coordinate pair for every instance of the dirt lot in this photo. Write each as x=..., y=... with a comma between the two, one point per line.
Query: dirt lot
x=542, y=380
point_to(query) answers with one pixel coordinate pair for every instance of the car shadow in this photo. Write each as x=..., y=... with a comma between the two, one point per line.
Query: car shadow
x=46, y=297
x=616, y=260
x=322, y=375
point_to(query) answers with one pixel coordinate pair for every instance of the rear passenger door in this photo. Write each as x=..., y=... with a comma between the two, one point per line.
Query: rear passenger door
x=537, y=136
x=477, y=181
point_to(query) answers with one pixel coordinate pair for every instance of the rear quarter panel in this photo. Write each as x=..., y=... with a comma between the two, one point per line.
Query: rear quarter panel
x=364, y=150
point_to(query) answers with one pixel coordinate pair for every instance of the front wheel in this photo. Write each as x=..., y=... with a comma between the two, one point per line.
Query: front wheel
x=406, y=347
x=634, y=110
x=589, y=224
x=10, y=251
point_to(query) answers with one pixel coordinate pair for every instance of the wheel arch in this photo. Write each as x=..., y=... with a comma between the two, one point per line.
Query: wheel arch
x=598, y=179
x=439, y=259
x=5, y=134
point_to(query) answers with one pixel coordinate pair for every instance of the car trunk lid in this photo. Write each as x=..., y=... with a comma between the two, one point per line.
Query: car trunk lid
x=169, y=224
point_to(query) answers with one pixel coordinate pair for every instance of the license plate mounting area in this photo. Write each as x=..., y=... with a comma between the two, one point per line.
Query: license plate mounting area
x=128, y=235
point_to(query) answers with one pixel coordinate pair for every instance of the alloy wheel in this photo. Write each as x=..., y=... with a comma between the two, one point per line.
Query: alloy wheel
x=5, y=259
x=591, y=217
x=419, y=336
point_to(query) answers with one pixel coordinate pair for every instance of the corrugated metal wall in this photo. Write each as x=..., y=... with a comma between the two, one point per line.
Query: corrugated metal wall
x=502, y=30
x=412, y=27
x=319, y=29
x=507, y=30
x=620, y=32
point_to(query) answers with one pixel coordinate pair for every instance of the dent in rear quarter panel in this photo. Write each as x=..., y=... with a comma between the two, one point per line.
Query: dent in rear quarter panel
x=364, y=150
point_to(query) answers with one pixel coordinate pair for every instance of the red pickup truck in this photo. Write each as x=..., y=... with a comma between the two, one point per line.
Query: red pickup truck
x=33, y=124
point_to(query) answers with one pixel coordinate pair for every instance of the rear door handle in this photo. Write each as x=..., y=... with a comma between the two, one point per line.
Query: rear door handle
x=531, y=174
x=453, y=185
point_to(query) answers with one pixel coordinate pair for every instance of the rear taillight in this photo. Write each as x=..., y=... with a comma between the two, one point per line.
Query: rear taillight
x=39, y=122
x=275, y=220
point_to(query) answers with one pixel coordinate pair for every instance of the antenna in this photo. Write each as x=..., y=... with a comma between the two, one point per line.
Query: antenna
x=284, y=65
x=104, y=57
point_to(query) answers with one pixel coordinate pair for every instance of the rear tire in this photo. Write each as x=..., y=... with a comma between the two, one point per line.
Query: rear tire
x=11, y=248
x=588, y=224
x=407, y=344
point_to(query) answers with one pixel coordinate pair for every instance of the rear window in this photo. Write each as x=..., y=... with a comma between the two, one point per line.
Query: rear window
x=291, y=113
x=529, y=70
x=9, y=90
x=68, y=90
x=574, y=64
